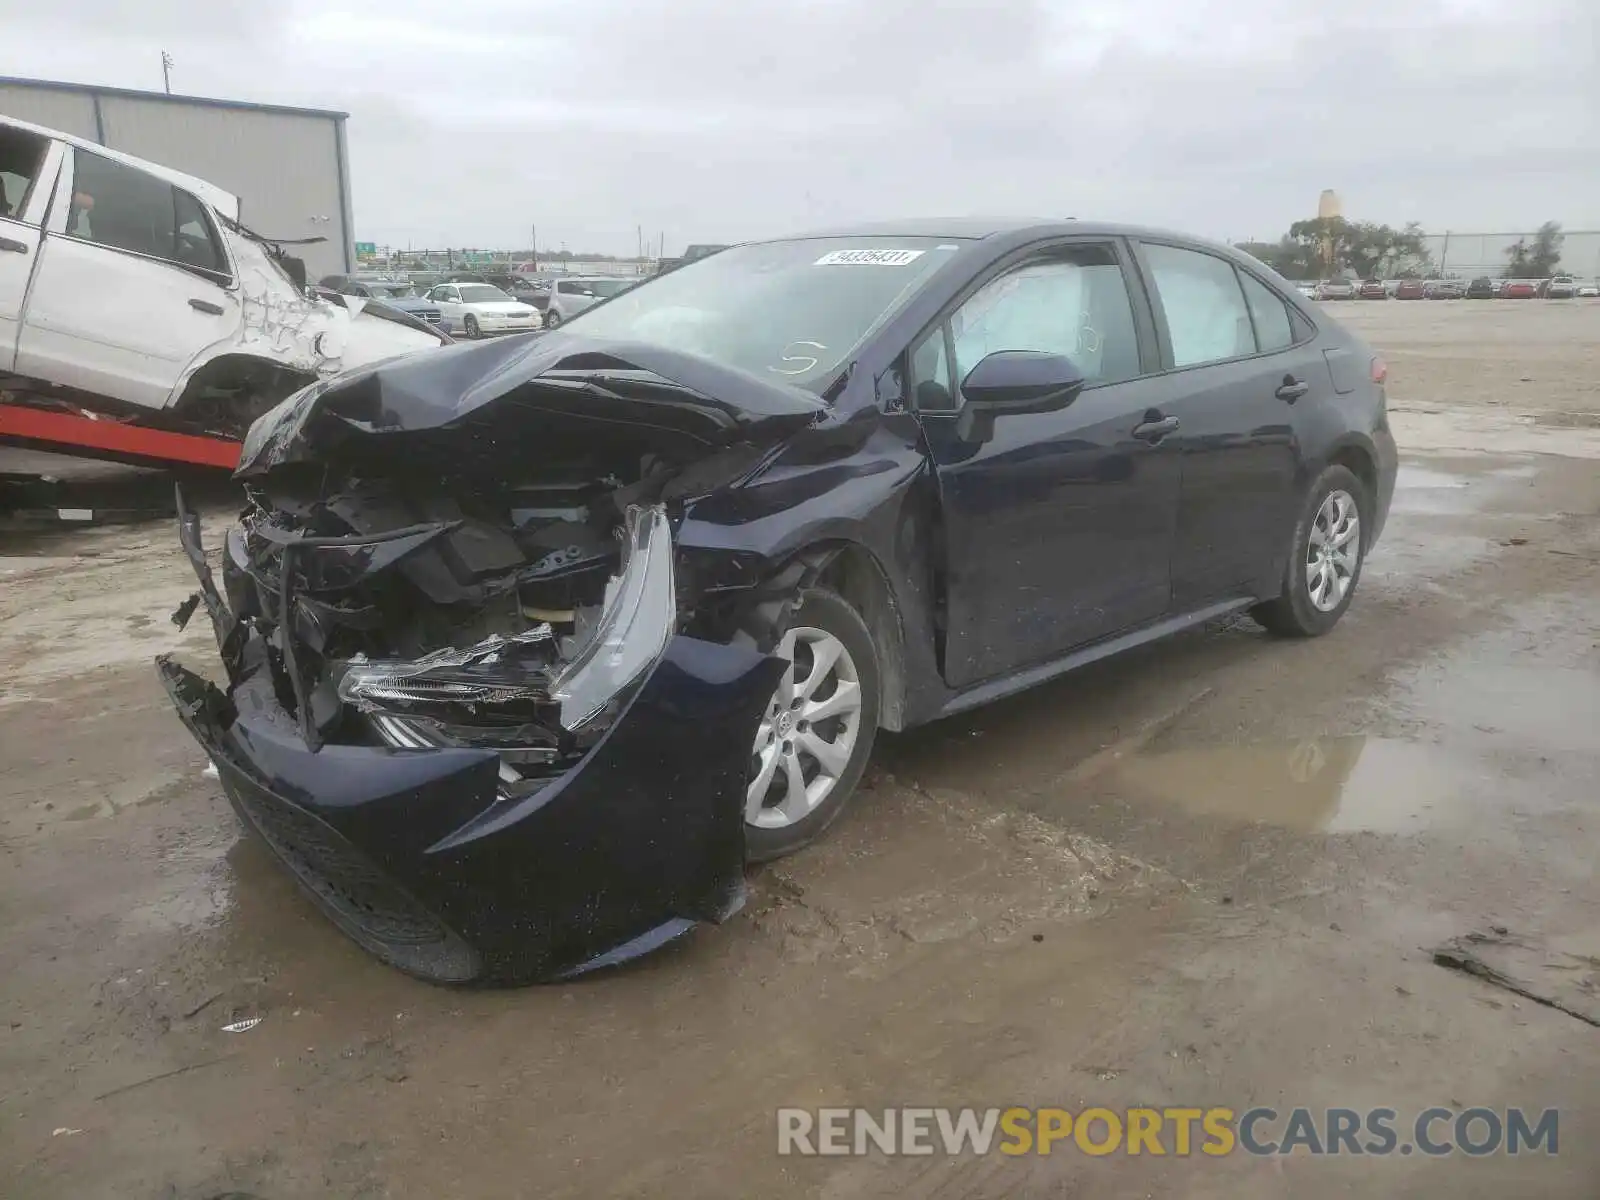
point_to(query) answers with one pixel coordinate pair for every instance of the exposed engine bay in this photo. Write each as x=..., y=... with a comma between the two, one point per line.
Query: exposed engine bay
x=425, y=617
x=492, y=578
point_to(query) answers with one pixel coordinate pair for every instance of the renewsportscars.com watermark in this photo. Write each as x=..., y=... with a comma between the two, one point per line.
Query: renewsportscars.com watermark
x=1434, y=1132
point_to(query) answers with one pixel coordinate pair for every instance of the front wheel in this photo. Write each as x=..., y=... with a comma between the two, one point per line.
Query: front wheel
x=552, y=319
x=473, y=331
x=1325, y=558
x=816, y=733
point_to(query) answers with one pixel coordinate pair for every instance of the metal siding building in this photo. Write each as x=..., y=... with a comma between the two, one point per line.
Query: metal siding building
x=288, y=166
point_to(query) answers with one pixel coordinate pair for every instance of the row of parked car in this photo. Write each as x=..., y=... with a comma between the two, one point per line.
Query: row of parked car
x=473, y=307
x=1559, y=287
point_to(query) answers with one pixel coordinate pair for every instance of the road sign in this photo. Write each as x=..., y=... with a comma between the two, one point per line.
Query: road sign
x=367, y=248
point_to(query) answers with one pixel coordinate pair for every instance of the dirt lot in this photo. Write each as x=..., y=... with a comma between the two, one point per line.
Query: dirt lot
x=1206, y=874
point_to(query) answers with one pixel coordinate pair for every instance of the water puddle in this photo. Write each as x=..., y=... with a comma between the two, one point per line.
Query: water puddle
x=1419, y=489
x=1542, y=709
x=1329, y=784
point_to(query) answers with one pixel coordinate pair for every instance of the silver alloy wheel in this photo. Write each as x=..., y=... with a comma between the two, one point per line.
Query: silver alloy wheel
x=807, y=733
x=1333, y=551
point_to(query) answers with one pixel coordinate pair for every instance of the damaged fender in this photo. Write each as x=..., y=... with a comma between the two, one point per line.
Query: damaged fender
x=282, y=325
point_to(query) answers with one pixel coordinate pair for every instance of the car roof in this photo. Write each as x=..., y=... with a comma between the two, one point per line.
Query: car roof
x=986, y=227
x=223, y=201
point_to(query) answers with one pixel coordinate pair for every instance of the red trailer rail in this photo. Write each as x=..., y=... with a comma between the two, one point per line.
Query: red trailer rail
x=90, y=437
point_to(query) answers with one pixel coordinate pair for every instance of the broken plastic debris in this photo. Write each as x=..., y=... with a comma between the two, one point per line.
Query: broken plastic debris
x=211, y=772
x=64, y=1132
x=242, y=1026
x=181, y=614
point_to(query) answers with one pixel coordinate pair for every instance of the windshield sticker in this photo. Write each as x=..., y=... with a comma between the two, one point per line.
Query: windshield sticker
x=868, y=258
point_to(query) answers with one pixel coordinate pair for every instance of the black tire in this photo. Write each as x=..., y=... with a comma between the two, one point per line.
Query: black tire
x=820, y=608
x=551, y=318
x=1292, y=613
x=471, y=325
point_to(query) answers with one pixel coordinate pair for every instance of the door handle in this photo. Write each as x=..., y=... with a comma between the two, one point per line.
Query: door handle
x=206, y=306
x=1291, y=389
x=1153, y=431
x=14, y=247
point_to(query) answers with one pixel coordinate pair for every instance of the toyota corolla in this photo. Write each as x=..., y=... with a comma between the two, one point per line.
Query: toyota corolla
x=531, y=646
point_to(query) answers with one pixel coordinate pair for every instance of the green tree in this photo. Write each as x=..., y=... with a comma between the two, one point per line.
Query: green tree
x=1539, y=259
x=1330, y=245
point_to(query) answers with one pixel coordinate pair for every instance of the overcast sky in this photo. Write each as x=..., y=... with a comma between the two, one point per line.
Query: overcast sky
x=718, y=120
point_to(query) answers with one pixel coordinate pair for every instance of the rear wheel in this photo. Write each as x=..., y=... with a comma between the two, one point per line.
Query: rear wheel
x=816, y=733
x=1325, y=560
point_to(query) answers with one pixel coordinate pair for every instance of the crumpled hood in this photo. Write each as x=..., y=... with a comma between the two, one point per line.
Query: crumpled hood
x=557, y=384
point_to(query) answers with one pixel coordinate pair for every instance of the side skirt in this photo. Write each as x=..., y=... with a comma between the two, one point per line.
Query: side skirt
x=1009, y=685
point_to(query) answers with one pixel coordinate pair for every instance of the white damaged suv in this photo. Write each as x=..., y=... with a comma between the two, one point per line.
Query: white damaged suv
x=132, y=289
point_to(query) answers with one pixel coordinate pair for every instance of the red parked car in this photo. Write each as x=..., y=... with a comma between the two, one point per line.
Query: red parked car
x=1410, y=289
x=1519, y=289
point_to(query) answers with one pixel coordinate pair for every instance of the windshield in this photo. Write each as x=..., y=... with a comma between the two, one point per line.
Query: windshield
x=481, y=293
x=793, y=309
x=393, y=291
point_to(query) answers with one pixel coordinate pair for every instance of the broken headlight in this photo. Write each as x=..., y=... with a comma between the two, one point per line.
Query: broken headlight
x=635, y=625
x=503, y=690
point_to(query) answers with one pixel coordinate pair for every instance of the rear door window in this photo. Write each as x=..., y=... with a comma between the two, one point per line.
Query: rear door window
x=1200, y=297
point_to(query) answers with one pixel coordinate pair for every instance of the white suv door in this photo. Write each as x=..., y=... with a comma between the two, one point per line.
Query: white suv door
x=28, y=165
x=133, y=282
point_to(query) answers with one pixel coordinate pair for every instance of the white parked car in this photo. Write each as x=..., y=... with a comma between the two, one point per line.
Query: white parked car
x=569, y=297
x=480, y=309
x=129, y=288
x=1588, y=291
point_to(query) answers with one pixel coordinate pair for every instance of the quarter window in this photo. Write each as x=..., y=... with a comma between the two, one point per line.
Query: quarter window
x=1207, y=319
x=1270, y=313
x=1073, y=302
x=123, y=207
x=930, y=374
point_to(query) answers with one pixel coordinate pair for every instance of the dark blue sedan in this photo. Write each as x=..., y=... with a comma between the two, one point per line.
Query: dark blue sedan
x=532, y=645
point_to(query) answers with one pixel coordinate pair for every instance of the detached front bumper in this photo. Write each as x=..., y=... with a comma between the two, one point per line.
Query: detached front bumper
x=420, y=857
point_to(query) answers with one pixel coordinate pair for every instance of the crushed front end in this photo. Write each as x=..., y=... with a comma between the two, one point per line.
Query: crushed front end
x=461, y=707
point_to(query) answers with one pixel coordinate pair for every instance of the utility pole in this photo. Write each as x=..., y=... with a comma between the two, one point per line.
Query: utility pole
x=166, y=71
x=533, y=233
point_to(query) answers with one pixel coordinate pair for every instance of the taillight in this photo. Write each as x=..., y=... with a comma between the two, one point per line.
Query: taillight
x=1380, y=371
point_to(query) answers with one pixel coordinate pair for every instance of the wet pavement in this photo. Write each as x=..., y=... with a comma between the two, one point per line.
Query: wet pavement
x=1206, y=873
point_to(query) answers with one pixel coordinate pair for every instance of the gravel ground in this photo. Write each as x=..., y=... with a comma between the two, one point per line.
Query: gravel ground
x=1204, y=874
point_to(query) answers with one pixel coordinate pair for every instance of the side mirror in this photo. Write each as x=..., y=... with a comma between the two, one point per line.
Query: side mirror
x=1015, y=381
